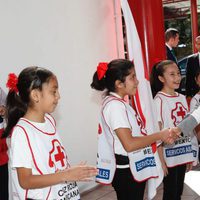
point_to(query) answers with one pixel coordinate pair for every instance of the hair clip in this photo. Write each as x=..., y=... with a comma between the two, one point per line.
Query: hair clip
x=101, y=69
x=12, y=82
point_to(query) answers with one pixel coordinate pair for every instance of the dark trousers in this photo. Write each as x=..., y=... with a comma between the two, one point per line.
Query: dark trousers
x=4, y=182
x=174, y=183
x=126, y=187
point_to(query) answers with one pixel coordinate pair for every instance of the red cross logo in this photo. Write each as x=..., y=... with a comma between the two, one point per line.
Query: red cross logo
x=181, y=112
x=60, y=156
x=178, y=113
x=57, y=156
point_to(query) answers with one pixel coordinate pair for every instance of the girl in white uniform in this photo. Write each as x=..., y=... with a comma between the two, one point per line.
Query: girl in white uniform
x=125, y=155
x=195, y=101
x=172, y=108
x=39, y=167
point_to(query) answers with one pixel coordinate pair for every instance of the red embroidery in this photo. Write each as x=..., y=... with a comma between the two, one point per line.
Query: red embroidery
x=60, y=156
x=99, y=129
x=57, y=155
x=178, y=113
x=181, y=112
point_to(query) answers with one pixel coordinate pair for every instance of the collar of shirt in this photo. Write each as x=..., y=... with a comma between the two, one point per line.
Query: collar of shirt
x=168, y=46
x=115, y=95
x=199, y=57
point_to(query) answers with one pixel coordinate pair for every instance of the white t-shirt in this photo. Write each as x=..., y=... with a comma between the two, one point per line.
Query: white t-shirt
x=115, y=116
x=195, y=102
x=171, y=111
x=38, y=147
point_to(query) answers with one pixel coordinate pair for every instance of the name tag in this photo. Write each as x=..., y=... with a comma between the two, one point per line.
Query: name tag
x=103, y=174
x=178, y=151
x=147, y=162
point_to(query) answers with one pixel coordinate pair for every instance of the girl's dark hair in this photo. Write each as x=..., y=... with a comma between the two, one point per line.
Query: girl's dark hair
x=117, y=70
x=17, y=103
x=158, y=70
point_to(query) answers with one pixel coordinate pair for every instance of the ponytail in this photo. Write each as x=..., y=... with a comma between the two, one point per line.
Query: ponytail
x=98, y=84
x=15, y=110
x=156, y=85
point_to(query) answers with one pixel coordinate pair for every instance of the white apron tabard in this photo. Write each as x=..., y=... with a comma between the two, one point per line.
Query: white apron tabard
x=181, y=152
x=49, y=156
x=142, y=162
x=185, y=149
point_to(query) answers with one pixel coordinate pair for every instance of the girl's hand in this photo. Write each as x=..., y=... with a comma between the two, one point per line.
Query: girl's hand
x=175, y=132
x=167, y=136
x=170, y=135
x=164, y=167
x=80, y=172
x=189, y=167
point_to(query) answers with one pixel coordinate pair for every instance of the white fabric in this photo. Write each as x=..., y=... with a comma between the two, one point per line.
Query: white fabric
x=170, y=48
x=165, y=104
x=37, y=146
x=199, y=57
x=195, y=102
x=172, y=110
x=142, y=162
x=115, y=115
x=196, y=114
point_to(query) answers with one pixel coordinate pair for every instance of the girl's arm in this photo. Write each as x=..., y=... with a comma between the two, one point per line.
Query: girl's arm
x=77, y=173
x=160, y=153
x=131, y=143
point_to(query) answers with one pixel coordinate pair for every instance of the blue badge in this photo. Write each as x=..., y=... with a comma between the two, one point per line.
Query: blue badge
x=103, y=174
x=178, y=151
x=147, y=162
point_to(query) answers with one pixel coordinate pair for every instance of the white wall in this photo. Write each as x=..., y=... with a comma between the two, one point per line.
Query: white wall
x=69, y=37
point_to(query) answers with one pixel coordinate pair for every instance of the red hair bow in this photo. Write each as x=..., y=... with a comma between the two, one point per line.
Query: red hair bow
x=12, y=82
x=101, y=70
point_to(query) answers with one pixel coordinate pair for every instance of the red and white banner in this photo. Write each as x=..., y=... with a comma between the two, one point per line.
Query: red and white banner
x=143, y=99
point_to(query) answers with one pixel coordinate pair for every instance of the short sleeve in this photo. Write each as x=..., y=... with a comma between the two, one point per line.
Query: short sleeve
x=115, y=115
x=158, y=108
x=196, y=114
x=185, y=102
x=20, y=155
x=193, y=103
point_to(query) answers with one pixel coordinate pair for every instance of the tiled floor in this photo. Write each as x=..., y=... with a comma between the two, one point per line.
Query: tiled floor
x=191, y=189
